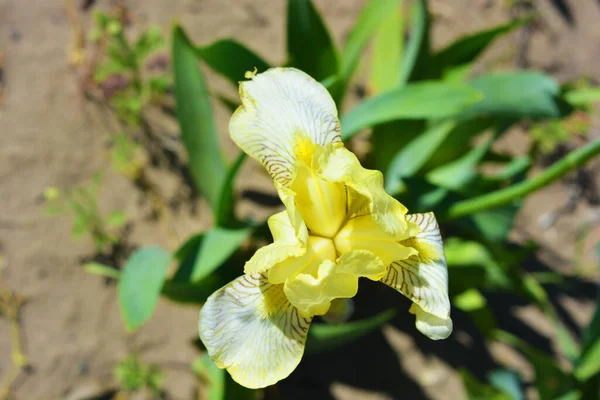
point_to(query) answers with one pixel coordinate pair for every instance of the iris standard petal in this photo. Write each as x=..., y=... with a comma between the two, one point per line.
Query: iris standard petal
x=424, y=278
x=250, y=328
x=366, y=194
x=284, y=114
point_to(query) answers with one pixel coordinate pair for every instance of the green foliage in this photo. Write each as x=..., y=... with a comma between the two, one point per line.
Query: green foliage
x=82, y=203
x=219, y=383
x=195, y=115
x=323, y=337
x=126, y=76
x=141, y=283
x=132, y=375
x=415, y=101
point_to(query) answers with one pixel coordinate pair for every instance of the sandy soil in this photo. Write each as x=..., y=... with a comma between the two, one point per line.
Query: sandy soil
x=50, y=135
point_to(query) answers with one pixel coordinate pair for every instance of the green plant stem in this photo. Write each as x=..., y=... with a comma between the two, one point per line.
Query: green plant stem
x=570, y=162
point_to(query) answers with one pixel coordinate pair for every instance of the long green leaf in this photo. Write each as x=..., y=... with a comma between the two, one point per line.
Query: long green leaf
x=416, y=56
x=386, y=54
x=225, y=214
x=516, y=95
x=204, y=253
x=588, y=364
x=369, y=20
x=220, y=384
x=481, y=391
x=415, y=154
x=141, y=283
x=213, y=377
x=195, y=115
x=309, y=44
x=459, y=173
x=583, y=96
x=468, y=48
x=416, y=101
x=231, y=59
x=323, y=337
x=503, y=196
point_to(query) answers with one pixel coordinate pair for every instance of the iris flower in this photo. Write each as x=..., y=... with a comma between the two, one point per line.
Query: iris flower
x=338, y=225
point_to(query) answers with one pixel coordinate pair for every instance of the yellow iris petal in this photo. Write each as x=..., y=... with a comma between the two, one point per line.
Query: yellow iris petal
x=366, y=194
x=313, y=295
x=318, y=250
x=362, y=233
x=322, y=204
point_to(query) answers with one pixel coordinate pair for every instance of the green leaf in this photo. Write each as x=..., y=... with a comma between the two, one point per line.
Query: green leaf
x=480, y=268
x=516, y=95
x=141, y=283
x=225, y=213
x=469, y=300
x=220, y=385
x=468, y=48
x=231, y=59
x=588, y=364
x=102, y=270
x=386, y=54
x=582, y=97
x=496, y=224
x=415, y=101
x=375, y=14
x=116, y=219
x=480, y=391
x=309, y=44
x=204, y=253
x=416, y=56
x=415, y=154
x=213, y=376
x=507, y=381
x=195, y=115
x=459, y=173
x=535, y=291
x=323, y=337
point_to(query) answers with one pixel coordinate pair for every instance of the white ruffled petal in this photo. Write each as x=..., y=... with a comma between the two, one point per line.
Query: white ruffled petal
x=424, y=278
x=249, y=328
x=284, y=113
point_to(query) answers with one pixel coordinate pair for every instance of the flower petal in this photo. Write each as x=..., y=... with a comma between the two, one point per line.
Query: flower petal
x=312, y=295
x=431, y=326
x=250, y=328
x=290, y=237
x=366, y=194
x=424, y=278
x=362, y=263
x=284, y=113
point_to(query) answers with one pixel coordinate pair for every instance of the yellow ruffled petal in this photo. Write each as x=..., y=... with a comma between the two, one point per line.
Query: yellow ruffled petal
x=312, y=295
x=362, y=263
x=287, y=245
x=284, y=113
x=362, y=233
x=318, y=250
x=424, y=278
x=366, y=194
x=249, y=328
x=289, y=234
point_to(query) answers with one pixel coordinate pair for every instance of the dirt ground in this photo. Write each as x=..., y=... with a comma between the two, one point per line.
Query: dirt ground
x=51, y=136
